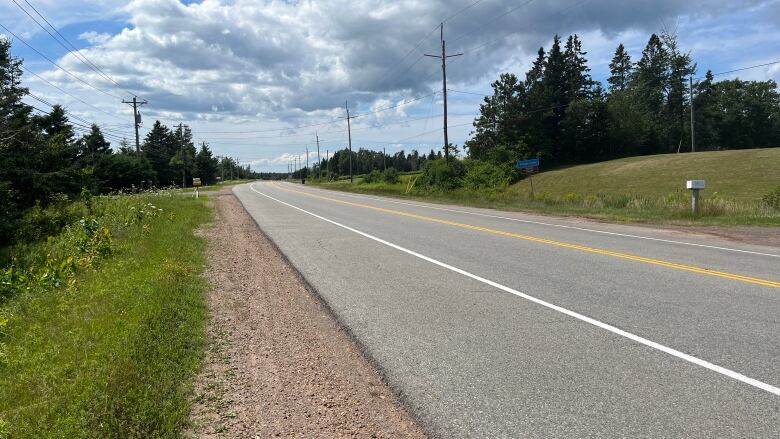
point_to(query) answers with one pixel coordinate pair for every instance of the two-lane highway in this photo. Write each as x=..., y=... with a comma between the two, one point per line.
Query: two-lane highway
x=493, y=324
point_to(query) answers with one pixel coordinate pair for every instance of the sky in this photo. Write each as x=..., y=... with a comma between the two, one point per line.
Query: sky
x=259, y=80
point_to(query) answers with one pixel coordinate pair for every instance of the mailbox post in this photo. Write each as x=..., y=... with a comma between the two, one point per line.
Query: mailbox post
x=196, y=183
x=695, y=186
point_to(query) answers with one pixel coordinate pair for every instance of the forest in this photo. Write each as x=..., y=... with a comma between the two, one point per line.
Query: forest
x=44, y=163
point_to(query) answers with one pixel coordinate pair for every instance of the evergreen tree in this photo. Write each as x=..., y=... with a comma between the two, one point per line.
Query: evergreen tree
x=160, y=147
x=206, y=166
x=498, y=125
x=620, y=69
x=649, y=83
x=680, y=68
x=93, y=145
x=56, y=124
x=577, y=73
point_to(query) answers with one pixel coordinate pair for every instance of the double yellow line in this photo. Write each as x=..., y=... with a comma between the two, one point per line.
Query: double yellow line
x=658, y=262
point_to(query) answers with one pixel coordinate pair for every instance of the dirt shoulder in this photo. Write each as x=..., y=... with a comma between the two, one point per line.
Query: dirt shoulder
x=278, y=364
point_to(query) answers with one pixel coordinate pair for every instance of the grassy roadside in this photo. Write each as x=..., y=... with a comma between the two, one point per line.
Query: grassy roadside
x=101, y=327
x=646, y=189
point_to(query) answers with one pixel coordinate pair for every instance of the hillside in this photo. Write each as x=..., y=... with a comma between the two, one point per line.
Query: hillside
x=736, y=174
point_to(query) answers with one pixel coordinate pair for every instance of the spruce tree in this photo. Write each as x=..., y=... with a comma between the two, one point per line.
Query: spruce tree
x=620, y=69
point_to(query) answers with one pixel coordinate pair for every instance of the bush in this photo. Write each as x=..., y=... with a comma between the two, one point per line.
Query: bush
x=485, y=175
x=772, y=199
x=390, y=176
x=39, y=222
x=442, y=175
x=372, y=177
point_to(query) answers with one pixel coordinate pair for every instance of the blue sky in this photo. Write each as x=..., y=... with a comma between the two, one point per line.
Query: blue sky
x=244, y=74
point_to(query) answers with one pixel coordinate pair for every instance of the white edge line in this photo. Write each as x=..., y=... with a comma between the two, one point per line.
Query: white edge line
x=541, y=223
x=681, y=355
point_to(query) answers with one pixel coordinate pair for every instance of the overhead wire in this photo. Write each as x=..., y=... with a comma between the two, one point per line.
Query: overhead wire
x=72, y=50
x=69, y=73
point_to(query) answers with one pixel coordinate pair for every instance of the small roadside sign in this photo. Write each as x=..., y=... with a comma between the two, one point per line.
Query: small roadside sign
x=528, y=164
x=196, y=182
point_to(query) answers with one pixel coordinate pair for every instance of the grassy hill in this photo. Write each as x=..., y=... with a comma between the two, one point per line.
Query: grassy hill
x=738, y=175
x=635, y=189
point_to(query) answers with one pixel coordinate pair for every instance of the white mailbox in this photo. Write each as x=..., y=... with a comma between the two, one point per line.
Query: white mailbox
x=694, y=184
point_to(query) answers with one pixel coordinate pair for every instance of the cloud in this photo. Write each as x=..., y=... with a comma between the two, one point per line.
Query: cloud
x=95, y=38
x=276, y=63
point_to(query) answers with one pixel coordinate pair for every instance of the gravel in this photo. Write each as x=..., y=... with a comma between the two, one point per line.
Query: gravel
x=278, y=363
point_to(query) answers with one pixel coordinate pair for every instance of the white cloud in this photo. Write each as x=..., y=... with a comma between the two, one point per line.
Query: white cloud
x=274, y=63
x=95, y=38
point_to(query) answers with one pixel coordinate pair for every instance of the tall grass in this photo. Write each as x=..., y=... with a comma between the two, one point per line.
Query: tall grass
x=101, y=326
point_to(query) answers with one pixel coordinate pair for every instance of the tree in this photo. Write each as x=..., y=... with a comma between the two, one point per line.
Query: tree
x=649, y=83
x=206, y=166
x=93, y=145
x=680, y=68
x=498, y=123
x=160, y=147
x=124, y=170
x=620, y=69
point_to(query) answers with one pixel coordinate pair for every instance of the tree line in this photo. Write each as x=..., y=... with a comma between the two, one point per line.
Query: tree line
x=42, y=159
x=365, y=160
x=559, y=113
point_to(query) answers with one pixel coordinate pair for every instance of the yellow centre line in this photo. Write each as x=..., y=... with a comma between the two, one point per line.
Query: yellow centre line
x=674, y=265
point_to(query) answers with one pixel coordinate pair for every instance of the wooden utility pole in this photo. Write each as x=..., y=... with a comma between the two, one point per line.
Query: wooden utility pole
x=319, y=162
x=384, y=159
x=181, y=153
x=443, y=58
x=349, y=134
x=136, y=118
x=693, y=131
x=327, y=159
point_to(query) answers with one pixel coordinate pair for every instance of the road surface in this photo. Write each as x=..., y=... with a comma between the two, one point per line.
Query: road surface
x=495, y=324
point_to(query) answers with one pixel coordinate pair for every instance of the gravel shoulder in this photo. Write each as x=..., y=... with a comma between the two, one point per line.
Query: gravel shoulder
x=278, y=363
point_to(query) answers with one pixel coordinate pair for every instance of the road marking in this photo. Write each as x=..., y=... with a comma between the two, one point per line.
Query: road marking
x=681, y=355
x=651, y=261
x=542, y=223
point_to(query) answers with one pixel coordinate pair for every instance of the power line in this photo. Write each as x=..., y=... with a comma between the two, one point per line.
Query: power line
x=73, y=50
x=65, y=92
x=57, y=65
x=743, y=68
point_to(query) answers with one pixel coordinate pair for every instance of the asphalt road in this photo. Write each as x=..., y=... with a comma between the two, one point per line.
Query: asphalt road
x=495, y=324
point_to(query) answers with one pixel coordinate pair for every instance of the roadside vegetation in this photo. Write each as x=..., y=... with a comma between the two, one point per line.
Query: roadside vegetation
x=619, y=151
x=743, y=187
x=101, y=323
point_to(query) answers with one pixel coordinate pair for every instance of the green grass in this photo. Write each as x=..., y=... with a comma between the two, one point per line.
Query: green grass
x=637, y=189
x=738, y=175
x=110, y=349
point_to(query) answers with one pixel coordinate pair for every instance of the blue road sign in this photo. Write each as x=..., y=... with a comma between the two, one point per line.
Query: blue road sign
x=525, y=164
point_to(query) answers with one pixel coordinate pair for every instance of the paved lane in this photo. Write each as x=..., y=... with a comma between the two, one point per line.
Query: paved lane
x=473, y=359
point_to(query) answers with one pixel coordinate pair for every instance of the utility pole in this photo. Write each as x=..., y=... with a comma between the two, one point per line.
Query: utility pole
x=384, y=159
x=306, y=174
x=319, y=162
x=136, y=118
x=349, y=133
x=443, y=58
x=693, y=131
x=327, y=159
x=181, y=153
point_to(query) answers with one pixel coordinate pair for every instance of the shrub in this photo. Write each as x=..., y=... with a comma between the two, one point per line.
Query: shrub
x=39, y=222
x=372, y=177
x=772, y=199
x=442, y=175
x=486, y=175
x=390, y=176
